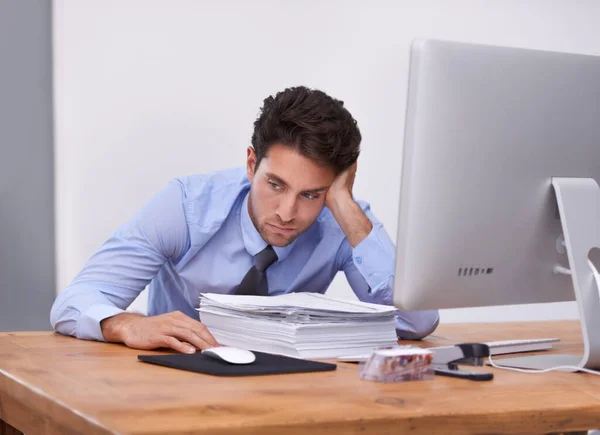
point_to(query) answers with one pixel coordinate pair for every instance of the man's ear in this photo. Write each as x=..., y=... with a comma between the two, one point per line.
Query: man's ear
x=251, y=163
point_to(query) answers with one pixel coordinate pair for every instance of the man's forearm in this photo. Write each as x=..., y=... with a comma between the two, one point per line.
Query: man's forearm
x=352, y=220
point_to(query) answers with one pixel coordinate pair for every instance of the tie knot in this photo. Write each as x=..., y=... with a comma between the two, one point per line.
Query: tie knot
x=265, y=258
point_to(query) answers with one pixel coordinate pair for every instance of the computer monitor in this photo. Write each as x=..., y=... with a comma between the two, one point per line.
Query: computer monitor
x=493, y=137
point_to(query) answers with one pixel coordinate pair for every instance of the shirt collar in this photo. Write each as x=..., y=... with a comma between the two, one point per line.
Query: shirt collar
x=253, y=241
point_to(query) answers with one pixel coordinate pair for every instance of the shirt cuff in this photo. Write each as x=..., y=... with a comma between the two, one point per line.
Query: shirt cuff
x=88, y=326
x=372, y=259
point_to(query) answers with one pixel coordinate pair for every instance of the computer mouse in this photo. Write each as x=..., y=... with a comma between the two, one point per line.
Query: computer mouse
x=232, y=355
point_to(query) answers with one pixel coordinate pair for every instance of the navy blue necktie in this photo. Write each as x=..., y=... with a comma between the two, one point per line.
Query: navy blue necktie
x=255, y=281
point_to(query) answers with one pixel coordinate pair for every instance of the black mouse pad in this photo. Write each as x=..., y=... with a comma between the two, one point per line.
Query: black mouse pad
x=265, y=364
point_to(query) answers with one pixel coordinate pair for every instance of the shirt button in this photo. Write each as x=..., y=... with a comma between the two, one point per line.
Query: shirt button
x=358, y=260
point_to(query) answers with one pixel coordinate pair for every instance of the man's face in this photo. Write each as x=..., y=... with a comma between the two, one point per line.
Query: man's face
x=287, y=194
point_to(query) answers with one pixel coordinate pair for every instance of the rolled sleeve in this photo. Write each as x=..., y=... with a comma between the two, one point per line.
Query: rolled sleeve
x=88, y=327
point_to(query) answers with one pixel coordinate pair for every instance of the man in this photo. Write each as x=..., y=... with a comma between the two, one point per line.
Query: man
x=287, y=223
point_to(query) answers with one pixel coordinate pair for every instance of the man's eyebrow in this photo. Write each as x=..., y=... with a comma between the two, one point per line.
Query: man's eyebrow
x=277, y=179
x=318, y=189
x=283, y=183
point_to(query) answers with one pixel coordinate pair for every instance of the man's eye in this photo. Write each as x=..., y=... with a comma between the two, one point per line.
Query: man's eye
x=310, y=196
x=274, y=185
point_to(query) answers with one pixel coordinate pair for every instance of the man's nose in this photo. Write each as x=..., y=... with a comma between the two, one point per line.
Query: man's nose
x=287, y=208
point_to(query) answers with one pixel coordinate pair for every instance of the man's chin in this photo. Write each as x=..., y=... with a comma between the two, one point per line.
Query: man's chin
x=279, y=240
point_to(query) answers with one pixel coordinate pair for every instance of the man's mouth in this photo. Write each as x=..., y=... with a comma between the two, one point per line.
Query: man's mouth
x=285, y=230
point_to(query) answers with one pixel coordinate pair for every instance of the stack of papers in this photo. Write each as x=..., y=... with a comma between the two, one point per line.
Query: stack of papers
x=301, y=325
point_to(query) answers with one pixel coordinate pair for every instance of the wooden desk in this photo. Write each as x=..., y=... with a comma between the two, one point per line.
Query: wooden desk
x=50, y=384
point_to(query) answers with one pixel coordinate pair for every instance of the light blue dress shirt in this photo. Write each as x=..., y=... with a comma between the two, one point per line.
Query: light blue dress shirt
x=196, y=236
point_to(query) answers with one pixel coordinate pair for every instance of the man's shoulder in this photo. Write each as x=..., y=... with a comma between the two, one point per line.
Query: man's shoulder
x=233, y=179
x=208, y=198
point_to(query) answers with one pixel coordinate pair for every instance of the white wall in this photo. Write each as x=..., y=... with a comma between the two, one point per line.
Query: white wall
x=148, y=90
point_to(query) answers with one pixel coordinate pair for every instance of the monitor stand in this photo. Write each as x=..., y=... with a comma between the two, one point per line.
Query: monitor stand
x=579, y=207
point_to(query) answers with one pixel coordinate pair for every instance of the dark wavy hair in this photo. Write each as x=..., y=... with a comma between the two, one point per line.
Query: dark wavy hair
x=316, y=125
